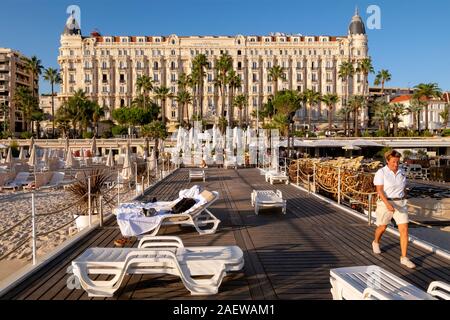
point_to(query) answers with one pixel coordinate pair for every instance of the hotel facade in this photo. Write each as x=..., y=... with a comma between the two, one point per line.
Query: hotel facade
x=107, y=67
x=14, y=74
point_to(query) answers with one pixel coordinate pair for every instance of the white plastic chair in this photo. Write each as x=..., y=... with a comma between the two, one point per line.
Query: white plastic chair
x=157, y=255
x=197, y=174
x=375, y=283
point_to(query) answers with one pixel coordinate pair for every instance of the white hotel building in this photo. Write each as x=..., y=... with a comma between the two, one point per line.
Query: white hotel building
x=106, y=67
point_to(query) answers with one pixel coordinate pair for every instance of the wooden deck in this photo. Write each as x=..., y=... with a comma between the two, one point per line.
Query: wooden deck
x=286, y=256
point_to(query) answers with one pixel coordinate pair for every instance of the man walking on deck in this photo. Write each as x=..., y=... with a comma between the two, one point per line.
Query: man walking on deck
x=390, y=182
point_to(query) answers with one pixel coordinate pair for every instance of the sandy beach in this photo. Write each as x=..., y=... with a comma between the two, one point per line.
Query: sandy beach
x=14, y=209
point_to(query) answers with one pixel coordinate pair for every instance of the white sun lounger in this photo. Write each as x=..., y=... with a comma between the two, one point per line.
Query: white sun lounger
x=56, y=180
x=375, y=283
x=272, y=176
x=198, y=216
x=19, y=181
x=268, y=199
x=157, y=255
x=197, y=174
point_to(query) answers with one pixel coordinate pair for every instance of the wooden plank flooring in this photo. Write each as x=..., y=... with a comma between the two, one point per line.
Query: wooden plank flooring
x=286, y=256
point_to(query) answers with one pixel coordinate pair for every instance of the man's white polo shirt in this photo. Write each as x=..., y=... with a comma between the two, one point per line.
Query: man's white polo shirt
x=394, y=184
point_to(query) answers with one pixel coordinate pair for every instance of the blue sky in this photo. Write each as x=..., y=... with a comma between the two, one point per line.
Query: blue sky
x=413, y=43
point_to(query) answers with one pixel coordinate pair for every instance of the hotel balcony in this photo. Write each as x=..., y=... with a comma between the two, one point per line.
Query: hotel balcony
x=4, y=67
x=4, y=87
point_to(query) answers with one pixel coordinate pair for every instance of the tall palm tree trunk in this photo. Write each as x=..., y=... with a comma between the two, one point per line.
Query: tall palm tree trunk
x=163, y=110
x=426, y=117
x=53, y=110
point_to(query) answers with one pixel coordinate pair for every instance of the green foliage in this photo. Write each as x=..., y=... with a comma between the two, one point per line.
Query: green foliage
x=407, y=154
x=155, y=130
x=381, y=133
x=106, y=134
x=446, y=133
x=25, y=135
x=119, y=130
x=427, y=134
x=88, y=135
x=382, y=152
x=366, y=134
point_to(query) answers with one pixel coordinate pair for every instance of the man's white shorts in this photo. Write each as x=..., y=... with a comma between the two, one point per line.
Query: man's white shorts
x=384, y=216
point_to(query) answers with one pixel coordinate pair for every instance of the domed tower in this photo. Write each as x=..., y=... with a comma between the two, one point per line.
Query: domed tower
x=72, y=27
x=358, y=37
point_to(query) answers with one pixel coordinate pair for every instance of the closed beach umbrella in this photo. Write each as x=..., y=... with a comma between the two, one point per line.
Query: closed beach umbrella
x=69, y=159
x=110, y=159
x=45, y=156
x=82, y=153
x=66, y=146
x=1, y=158
x=22, y=154
x=31, y=146
x=127, y=170
x=94, y=147
x=9, y=160
x=152, y=161
x=32, y=161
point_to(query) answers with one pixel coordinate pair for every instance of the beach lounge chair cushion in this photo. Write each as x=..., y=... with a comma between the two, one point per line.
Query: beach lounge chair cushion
x=207, y=195
x=183, y=205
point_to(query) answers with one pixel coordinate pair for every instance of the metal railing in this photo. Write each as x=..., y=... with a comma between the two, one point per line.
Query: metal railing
x=113, y=194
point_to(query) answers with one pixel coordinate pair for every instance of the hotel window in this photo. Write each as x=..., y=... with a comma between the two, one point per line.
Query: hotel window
x=155, y=77
x=239, y=65
x=269, y=64
x=254, y=65
x=72, y=79
x=172, y=52
x=269, y=89
x=329, y=77
x=172, y=65
x=295, y=39
x=122, y=78
x=173, y=77
x=141, y=40
x=108, y=40
x=124, y=40
x=329, y=89
x=239, y=52
x=122, y=89
x=87, y=77
x=155, y=65
x=210, y=89
x=267, y=40
x=314, y=77
x=173, y=41
x=105, y=89
x=172, y=89
x=283, y=64
x=299, y=77
x=122, y=103
x=255, y=89
x=174, y=114
x=255, y=77
x=104, y=78
x=210, y=77
x=120, y=52
x=72, y=90
x=138, y=65
x=71, y=52
x=87, y=89
x=157, y=40
x=314, y=87
x=255, y=102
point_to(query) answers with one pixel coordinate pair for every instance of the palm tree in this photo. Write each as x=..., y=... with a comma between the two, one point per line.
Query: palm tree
x=381, y=78
x=444, y=115
x=53, y=76
x=312, y=97
x=330, y=101
x=97, y=113
x=415, y=107
x=223, y=66
x=34, y=65
x=240, y=102
x=156, y=130
x=427, y=91
x=356, y=102
x=345, y=113
x=346, y=71
x=365, y=67
x=286, y=103
x=199, y=63
x=184, y=98
x=382, y=115
x=74, y=110
x=144, y=84
x=27, y=104
x=276, y=73
x=37, y=116
x=397, y=110
x=234, y=82
x=163, y=93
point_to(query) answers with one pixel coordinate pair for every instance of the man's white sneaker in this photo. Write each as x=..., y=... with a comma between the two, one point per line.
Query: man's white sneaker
x=376, y=248
x=406, y=262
